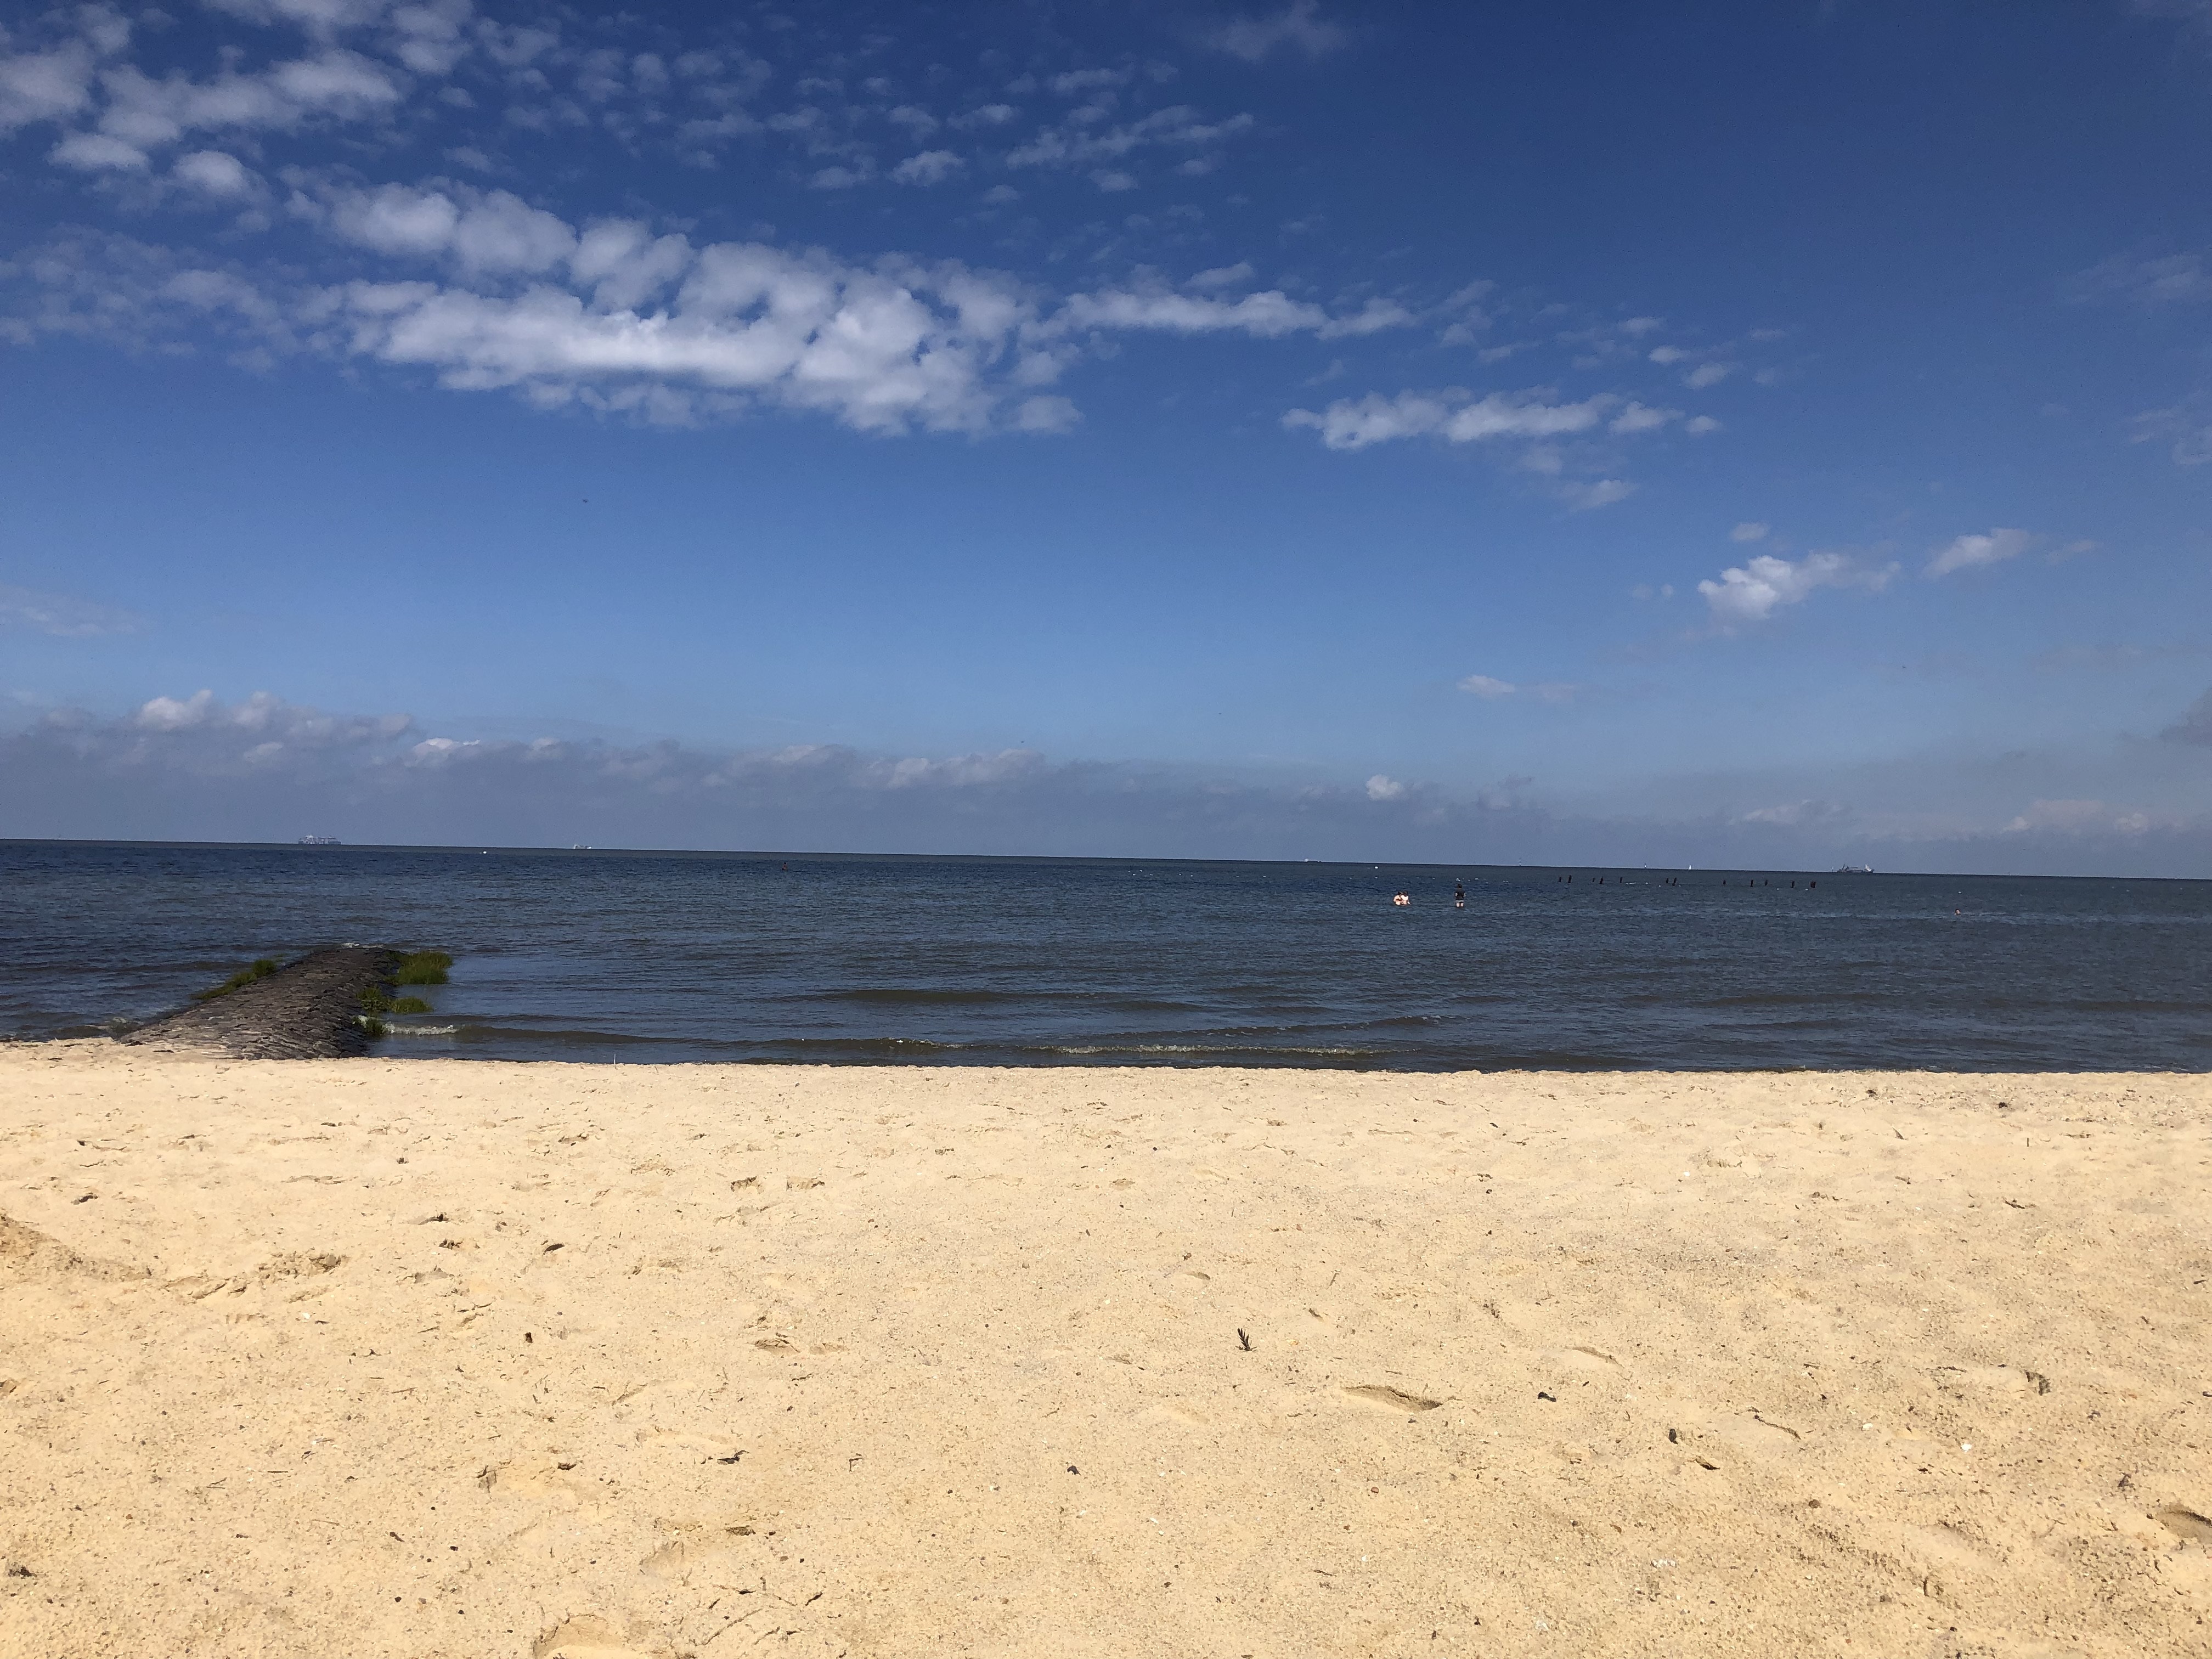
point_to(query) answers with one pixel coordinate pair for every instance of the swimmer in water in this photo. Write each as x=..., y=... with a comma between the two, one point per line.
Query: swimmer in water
x=1401, y=898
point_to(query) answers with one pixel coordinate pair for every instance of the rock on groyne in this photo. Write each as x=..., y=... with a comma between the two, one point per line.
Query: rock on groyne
x=309, y=1010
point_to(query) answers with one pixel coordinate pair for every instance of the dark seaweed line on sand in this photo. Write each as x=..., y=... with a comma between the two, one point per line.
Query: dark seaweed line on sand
x=309, y=1010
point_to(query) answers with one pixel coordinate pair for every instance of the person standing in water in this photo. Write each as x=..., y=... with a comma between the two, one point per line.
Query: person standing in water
x=1459, y=896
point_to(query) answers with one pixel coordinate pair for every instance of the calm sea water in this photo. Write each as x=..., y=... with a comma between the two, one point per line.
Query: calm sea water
x=696, y=957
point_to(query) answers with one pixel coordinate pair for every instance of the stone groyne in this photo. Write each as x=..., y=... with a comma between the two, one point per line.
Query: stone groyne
x=310, y=1009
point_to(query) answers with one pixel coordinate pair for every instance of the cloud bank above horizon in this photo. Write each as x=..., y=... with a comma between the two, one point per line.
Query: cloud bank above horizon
x=195, y=768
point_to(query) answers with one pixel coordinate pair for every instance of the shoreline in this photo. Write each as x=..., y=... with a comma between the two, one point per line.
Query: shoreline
x=419, y=1356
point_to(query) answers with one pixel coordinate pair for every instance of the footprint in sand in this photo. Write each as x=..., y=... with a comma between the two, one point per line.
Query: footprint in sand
x=298, y=1264
x=1171, y=1413
x=1757, y=1433
x=789, y=1288
x=1188, y=1279
x=707, y=1448
x=1390, y=1399
x=1587, y=1360
x=1991, y=1379
x=533, y=1478
x=584, y=1636
x=2184, y=1523
x=694, y=1561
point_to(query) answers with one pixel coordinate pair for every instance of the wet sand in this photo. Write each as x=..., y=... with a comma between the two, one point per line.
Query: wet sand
x=425, y=1358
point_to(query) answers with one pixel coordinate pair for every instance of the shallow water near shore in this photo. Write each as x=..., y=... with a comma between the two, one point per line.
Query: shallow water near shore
x=640, y=957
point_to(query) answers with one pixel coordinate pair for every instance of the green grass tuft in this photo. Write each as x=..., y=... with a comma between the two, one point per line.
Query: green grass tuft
x=373, y=1000
x=422, y=967
x=372, y=1025
x=260, y=969
x=410, y=1006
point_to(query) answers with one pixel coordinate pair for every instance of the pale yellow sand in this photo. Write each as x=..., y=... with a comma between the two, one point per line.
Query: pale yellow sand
x=357, y=1357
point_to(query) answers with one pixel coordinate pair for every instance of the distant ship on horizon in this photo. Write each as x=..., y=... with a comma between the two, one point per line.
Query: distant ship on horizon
x=320, y=841
x=1855, y=869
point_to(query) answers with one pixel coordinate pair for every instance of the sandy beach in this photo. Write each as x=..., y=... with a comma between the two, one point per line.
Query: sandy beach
x=372, y=1357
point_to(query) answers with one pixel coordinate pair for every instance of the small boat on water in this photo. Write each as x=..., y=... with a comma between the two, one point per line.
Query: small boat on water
x=320, y=841
x=1855, y=869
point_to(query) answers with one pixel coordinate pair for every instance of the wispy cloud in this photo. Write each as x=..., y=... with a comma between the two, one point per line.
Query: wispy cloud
x=1490, y=688
x=2194, y=725
x=1080, y=143
x=2144, y=280
x=63, y=616
x=1455, y=415
x=930, y=167
x=1970, y=552
x=1300, y=28
x=1268, y=314
x=2188, y=425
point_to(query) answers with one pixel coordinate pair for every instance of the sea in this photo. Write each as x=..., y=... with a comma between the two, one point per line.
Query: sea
x=650, y=956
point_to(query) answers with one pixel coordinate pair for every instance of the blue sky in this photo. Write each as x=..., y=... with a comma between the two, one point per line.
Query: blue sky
x=1771, y=432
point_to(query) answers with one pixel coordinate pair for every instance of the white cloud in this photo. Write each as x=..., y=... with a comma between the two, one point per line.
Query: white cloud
x=1698, y=425
x=216, y=172
x=1300, y=28
x=1705, y=374
x=1482, y=685
x=1750, y=530
x=317, y=16
x=625, y=264
x=1965, y=552
x=335, y=84
x=616, y=319
x=1453, y=414
x=1234, y=275
x=481, y=230
x=1642, y=417
x=44, y=86
x=1045, y=414
x=95, y=152
x=930, y=167
x=265, y=719
x=1604, y=492
x=883, y=350
x=1753, y=592
x=1380, y=787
